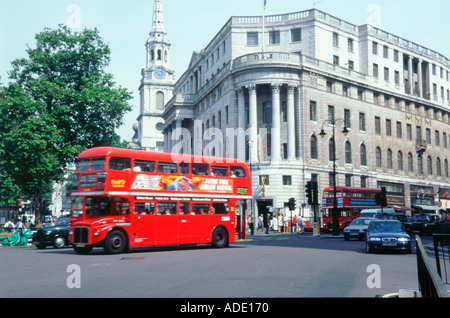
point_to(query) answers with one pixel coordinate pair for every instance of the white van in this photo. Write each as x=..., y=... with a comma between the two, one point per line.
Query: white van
x=370, y=213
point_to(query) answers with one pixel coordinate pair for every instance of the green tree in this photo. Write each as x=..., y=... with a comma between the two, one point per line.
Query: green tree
x=60, y=101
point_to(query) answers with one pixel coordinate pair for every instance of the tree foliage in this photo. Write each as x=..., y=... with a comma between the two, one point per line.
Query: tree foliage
x=60, y=100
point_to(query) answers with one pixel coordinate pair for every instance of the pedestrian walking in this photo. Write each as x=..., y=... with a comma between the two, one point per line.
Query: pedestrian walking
x=294, y=224
x=260, y=223
x=20, y=226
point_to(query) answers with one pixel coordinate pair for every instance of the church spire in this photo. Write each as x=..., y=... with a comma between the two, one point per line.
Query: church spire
x=158, y=18
x=157, y=44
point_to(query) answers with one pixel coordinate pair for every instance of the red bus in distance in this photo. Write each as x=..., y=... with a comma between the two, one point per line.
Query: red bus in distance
x=350, y=201
x=124, y=199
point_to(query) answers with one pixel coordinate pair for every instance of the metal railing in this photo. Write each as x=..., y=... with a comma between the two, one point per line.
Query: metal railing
x=430, y=284
x=441, y=244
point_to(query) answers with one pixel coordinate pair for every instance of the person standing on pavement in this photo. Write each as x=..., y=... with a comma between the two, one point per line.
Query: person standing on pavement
x=299, y=225
x=280, y=223
x=285, y=223
x=294, y=224
x=267, y=223
x=251, y=224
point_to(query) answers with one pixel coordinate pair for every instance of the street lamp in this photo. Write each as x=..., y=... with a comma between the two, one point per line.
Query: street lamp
x=345, y=132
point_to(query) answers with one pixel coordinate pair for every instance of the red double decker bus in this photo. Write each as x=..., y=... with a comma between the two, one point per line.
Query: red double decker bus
x=350, y=201
x=124, y=199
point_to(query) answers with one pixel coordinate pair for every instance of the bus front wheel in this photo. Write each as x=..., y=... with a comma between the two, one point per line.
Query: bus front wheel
x=115, y=243
x=219, y=238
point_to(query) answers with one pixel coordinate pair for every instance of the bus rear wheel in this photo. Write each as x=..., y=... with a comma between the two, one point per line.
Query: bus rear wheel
x=219, y=238
x=115, y=243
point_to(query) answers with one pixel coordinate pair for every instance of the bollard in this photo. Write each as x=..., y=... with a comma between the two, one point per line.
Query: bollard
x=316, y=230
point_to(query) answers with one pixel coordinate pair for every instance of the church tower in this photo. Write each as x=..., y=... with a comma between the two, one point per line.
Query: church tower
x=156, y=85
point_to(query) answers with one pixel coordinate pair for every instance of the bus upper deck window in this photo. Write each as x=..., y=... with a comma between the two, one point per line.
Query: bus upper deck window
x=123, y=164
x=167, y=167
x=200, y=169
x=98, y=164
x=237, y=172
x=83, y=165
x=144, y=166
x=219, y=171
x=184, y=168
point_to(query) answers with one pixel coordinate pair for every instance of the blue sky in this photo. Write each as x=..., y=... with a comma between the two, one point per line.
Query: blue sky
x=191, y=24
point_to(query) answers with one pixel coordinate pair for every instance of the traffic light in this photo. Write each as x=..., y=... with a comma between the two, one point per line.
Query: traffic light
x=380, y=198
x=291, y=204
x=309, y=192
x=315, y=193
x=312, y=193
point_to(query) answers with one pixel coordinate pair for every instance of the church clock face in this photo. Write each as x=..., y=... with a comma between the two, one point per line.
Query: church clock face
x=160, y=73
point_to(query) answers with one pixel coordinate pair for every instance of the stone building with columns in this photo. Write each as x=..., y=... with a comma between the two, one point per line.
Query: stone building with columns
x=264, y=94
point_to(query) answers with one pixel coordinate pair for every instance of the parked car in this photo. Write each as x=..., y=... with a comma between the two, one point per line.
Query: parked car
x=396, y=216
x=357, y=228
x=387, y=235
x=425, y=223
x=56, y=236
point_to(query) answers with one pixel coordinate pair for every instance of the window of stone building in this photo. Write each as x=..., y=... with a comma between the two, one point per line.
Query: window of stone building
x=274, y=37
x=400, y=161
x=287, y=180
x=296, y=35
x=378, y=157
x=252, y=38
x=363, y=155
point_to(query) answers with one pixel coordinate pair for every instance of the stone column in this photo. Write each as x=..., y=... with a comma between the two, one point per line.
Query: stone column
x=420, y=77
x=410, y=75
x=291, y=123
x=275, y=131
x=253, y=125
x=241, y=124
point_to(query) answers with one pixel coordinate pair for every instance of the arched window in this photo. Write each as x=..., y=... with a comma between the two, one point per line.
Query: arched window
x=446, y=168
x=348, y=152
x=378, y=157
x=410, y=162
x=438, y=167
x=419, y=165
x=331, y=149
x=363, y=155
x=389, y=159
x=314, y=154
x=429, y=165
x=160, y=101
x=400, y=161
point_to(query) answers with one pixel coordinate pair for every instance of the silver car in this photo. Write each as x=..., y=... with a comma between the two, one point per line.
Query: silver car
x=357, y=228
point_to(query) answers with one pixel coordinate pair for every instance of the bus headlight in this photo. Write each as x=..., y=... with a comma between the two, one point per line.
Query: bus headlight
x=96, y=233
